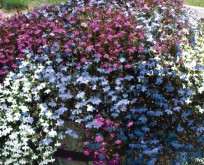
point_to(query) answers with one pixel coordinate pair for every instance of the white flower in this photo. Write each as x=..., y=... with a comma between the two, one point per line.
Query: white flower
x=52, y=133
x=24, y=108
x=57, y=144
x=89, y=108
x=34, y=157
x=47, y=91
x=48, y=114
x=13, y=136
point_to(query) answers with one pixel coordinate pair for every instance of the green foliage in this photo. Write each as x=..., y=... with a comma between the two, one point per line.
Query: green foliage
x=11, y=4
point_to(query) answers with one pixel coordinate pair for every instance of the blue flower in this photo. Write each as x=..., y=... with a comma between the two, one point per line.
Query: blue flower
x=95, y=100
x=168, y=111
x=80, y=95
x=158, y=81
x=152, y=161
x=146, y=129
x=143, y=119
x=158, y=113
x=175, y=144
x=71, y=133
x=179, y=128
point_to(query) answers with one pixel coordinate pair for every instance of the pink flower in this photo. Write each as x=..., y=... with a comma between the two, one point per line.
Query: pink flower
x=99, y=121
x=170, y=20
x=117, y=141
x=127, y=66
x=79, y=8
x=86, y=152
x=177, y=19
x=127, y=23
x=110, y=37
x=102, y=150
x=172, y=12
x=141, y=37
x=83, y=59
x=78, y=65
x=86, y=143
x=130, y=50
x=69, y=159
x=67, y=50
x=109, y=69
x=98, y=55
x=115, y=65
x=108, y=122
x=117, y=125
x=106, y=56
x=180, y=61
x=90, y=48
x=98, y=139
x=116, y=156
x=14, y=66
x=130, y=123
x=103, y=144
x=105, y=65
x=112, y=136
x=98, y=44
x=141, y=49
x=113, y=162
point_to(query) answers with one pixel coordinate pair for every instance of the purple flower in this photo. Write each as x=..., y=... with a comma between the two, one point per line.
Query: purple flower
x=130, y=124
x=98, y=139
x=69, y=159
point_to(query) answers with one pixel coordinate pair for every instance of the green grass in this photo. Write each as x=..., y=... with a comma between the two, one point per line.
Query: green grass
x=11, y=4
x=37, y=3
x=23, y=4
x=199, y=3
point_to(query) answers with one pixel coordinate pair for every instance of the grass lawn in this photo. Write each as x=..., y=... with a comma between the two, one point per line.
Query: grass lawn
x=22, y=4
x=10, y=7
x=199, y=3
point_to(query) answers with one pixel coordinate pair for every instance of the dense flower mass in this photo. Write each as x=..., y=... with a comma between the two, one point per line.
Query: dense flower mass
x=130, y=73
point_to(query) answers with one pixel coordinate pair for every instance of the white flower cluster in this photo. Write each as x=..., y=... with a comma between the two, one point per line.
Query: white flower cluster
x=26, y=126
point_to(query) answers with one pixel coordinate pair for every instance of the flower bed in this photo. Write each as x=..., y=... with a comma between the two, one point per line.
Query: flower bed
x=127, y=73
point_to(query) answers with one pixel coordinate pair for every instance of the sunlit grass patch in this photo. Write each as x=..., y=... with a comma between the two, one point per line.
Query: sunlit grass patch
x=199, y=3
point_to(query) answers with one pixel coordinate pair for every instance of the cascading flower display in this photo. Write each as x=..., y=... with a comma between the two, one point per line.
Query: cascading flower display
x=130, y=73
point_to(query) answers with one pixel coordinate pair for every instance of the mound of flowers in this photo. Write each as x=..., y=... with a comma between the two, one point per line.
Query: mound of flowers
x=130, y=74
